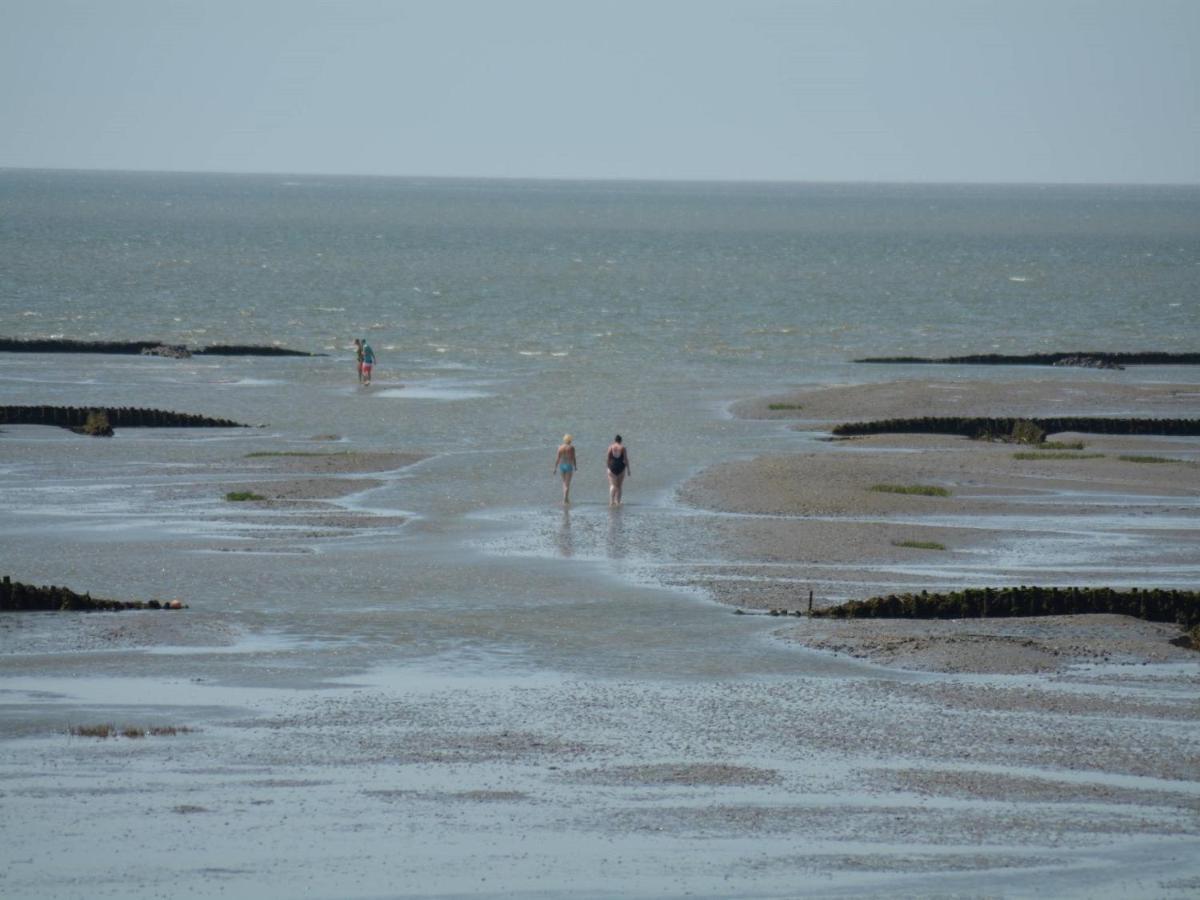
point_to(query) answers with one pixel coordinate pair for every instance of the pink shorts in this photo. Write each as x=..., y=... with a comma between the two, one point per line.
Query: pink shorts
x=366, y=370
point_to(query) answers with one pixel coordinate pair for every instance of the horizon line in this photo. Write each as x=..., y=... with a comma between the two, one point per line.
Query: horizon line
x=599, y=179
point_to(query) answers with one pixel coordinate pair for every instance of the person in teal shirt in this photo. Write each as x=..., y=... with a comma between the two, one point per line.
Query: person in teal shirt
x=368, y=362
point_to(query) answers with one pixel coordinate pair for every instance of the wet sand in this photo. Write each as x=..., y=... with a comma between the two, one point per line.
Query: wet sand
x=1017, y=758
x=814, y=521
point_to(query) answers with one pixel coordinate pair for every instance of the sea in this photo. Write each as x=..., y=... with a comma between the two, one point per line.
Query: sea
x=503, y=315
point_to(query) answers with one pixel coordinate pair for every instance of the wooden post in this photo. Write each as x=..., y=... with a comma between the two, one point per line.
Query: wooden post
x=810, y=593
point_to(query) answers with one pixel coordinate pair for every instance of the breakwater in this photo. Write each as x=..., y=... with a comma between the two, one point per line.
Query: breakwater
x=18, y=597
x=981, y=427
x=1181, y=607
x=76, y=417
x=134, y=348
x=1088, y=359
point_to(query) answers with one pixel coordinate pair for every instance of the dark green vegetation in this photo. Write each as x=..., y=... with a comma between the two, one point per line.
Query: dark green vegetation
x=778, y=406
x=988, y=428
x=62, y=345
x=242, y=496
x=1061, y=445
x=78, y=417
x=924, y=490
x=1026, y=432
x=1033, y=454
x=17, y=597
x=1182, y=607
x=97, y=424
x=1051, y=359
x=919, y=545
x=130, y=731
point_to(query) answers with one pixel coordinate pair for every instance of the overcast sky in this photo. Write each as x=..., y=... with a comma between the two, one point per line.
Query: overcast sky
x=827, y=90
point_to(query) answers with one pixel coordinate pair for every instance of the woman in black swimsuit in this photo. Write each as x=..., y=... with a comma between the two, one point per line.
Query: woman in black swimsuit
x=618, y=468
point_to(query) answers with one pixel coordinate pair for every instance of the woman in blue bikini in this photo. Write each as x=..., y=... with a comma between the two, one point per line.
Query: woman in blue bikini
x=564, y=465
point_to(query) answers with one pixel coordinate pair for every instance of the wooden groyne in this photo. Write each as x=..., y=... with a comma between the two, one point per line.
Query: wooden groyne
x=134, y=348
x=76, y=417
x=18, y=597
x=248, y=350
x=977, y=427
x=1181, y=607
x=1086, y=359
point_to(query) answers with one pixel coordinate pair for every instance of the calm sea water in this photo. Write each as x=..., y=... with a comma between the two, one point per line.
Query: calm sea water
x=505, y=314
x=706, y=277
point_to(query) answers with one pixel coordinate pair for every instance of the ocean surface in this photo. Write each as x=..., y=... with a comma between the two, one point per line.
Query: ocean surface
x=503, y=314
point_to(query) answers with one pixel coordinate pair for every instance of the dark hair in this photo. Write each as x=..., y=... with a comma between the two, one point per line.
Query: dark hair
x=617, y=439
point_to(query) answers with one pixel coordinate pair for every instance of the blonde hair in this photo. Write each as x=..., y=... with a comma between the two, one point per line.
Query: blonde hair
x=566, y=439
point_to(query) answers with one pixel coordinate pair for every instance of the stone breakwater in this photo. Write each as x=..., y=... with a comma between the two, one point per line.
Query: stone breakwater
x=975, y=426
x=76, y=417
x=1085, y=359
x=134, y=348
x=1153, y=605
x=18, y=597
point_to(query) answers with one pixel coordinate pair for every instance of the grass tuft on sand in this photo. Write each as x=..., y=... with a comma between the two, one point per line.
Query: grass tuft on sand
x=1061, y=445
x=96, y=731
x=243, y=496
x=1034, y=454
x=1149, y=459
x=919, y=545
x=924, y=490
x=778, y=406
x=107, y=730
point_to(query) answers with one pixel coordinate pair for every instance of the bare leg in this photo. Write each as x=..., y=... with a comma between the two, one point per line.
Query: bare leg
x=567, y=486
x=614, y=488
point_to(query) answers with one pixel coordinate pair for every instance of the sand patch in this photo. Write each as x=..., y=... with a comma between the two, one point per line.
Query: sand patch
x=332, y=463
x=687, y=774
x=1049, y=396
x=1007, y=646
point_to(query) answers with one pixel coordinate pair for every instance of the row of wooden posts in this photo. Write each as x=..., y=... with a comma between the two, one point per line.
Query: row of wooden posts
x=118, y=417
x=976, y=426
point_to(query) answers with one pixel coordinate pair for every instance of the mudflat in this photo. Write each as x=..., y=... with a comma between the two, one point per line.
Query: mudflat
x=888, y=513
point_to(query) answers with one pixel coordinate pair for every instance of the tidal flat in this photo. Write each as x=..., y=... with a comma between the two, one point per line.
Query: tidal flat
x=364, y=699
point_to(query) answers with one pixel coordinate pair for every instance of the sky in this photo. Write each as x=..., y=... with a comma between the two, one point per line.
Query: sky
x=1061, y=91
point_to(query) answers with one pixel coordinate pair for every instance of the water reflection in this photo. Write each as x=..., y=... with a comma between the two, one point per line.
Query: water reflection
x=564, y=539
x=615, y=539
